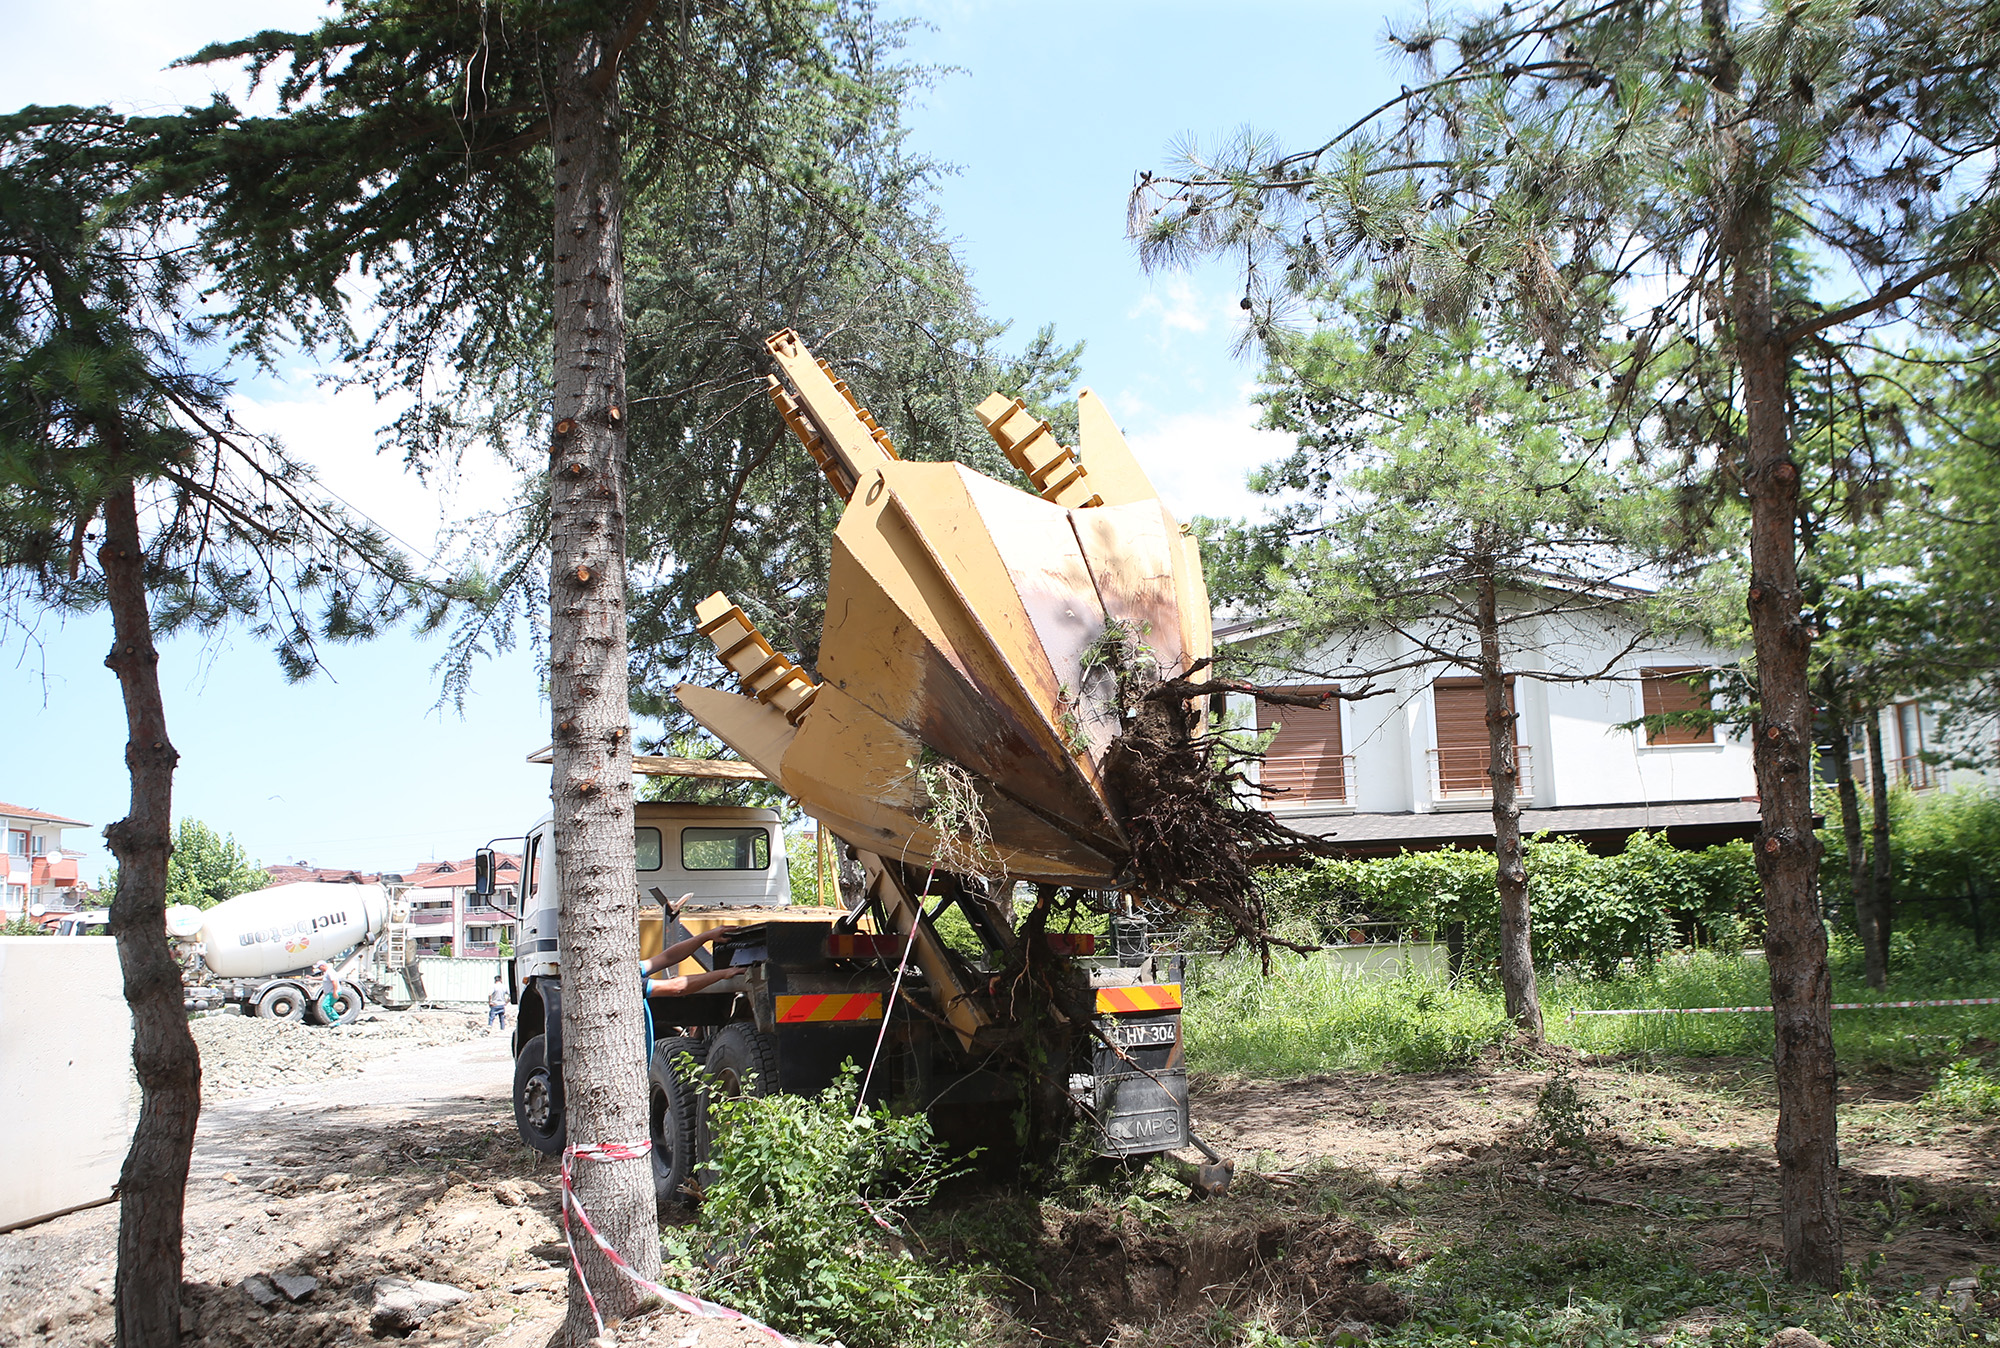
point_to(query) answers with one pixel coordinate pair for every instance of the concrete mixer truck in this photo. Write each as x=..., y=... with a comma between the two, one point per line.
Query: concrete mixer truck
x=261, y=950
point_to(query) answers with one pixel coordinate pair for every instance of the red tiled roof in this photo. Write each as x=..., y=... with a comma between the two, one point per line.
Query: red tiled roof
x=23, y=812
x=286, y=875
x=457, y=874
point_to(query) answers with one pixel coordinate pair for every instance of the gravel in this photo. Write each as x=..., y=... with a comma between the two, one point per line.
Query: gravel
x=244, y=1054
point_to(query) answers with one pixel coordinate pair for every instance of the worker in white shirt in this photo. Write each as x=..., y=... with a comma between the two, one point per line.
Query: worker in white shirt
x=496, y=1005
x=329, y=989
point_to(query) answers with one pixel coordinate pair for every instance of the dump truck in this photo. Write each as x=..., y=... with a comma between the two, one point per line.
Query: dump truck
x=973, y=680
x=260, y=951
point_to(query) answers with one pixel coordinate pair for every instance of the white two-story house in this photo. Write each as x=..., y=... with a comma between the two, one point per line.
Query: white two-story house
x=1407, y=767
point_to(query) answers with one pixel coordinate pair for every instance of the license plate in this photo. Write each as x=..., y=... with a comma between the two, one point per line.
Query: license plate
x=1141, y=1034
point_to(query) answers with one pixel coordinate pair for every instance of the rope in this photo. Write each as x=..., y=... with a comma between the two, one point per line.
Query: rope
x=916, y=918
x=1726, y=1010
x=684, y=1302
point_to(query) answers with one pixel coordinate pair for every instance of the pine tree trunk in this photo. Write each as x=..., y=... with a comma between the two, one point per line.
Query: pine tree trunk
x=1517, y=955
x=152, y=1187
x=1878, y=800
x=1787, y=848
x=1860, y=877
x=604, y=1071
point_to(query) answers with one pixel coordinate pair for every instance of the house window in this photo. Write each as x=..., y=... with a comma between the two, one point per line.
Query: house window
x=17, y=842
x=1909, y=766
x=1666, y=691
x=1461, y=761
x=39, y=845
x=1305, y=760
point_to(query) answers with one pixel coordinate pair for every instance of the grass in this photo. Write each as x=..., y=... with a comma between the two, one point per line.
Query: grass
x=1310, y=1018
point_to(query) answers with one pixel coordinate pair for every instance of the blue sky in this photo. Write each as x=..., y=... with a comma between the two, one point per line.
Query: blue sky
x=1052, y=110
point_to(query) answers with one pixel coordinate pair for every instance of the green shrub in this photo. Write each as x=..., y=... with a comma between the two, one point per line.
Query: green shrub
x=788, y=1230
x=25, y=926
x=1941, y=845
x=1590, y=912
x=1964, y=1087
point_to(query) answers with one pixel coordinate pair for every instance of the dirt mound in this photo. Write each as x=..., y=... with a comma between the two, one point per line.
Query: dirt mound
x=1117, y=1277
x=243, y=1054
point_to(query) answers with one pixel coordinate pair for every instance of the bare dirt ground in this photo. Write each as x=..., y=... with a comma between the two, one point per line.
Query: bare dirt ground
x=406, y=1165
x=401, y=1164
x=1685, y=1145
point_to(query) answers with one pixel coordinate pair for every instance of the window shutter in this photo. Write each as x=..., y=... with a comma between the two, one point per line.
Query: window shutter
x=1666, y=691
x=1305, y=760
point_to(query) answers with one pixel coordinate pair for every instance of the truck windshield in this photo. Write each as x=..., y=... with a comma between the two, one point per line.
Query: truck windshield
x=725, y=849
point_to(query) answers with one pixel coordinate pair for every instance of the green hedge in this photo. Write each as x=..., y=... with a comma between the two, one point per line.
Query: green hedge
x=1590, y=912
x=1940, y=845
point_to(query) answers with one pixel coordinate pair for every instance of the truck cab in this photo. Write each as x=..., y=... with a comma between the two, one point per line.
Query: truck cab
x=728, y=860
x=725, y=856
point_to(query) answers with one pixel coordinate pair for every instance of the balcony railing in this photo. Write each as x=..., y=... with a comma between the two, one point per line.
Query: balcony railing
x=1307, y=779
x=1913, y=772
x=430, y=916
x=1464, y=774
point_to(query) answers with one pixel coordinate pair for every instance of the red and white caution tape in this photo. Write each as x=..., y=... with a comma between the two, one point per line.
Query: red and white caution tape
x=680, y=1301
x=1725, y=1010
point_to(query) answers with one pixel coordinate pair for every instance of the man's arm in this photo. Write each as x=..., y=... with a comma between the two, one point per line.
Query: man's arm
x=680, y=950
x=680, y=984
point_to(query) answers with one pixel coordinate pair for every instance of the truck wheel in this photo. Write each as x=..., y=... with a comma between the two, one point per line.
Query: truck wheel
x=281, y=1001
x=673, y=1115
x=347, y=1004
x=742, y=1061
x=538, y=1099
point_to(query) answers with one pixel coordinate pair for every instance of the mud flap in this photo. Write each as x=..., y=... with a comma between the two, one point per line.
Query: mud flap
x=1139, y=1113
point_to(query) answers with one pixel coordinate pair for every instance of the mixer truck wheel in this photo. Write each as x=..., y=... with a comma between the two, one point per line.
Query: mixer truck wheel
x=742, y=1060
x=673, y=1115
x=347, y=1004
x=283, y=1001
x=538, y=1099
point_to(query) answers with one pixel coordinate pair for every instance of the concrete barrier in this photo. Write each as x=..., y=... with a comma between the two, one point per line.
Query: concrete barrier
x=1384, y=959
x=460, y=980
x=66, y=1082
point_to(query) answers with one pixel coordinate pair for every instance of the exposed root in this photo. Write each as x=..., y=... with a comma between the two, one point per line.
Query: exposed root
x=949, y=803
x=1192, y=838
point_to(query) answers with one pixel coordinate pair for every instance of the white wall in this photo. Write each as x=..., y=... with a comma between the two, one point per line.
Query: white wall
x=66, y=1077
x=1577, y=755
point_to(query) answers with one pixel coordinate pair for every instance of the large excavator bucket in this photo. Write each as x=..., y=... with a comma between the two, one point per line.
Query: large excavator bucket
x=976, y=640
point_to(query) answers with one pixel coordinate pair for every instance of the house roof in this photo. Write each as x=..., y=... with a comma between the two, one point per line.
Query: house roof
x=23, y=812
x=333, y=875
x=456, y=874
x=1687, y=823
x=1246, y=626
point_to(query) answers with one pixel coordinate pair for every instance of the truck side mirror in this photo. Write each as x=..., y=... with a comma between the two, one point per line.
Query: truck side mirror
x=482, y=873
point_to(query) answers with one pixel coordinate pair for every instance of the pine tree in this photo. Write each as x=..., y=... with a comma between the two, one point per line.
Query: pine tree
x=1453, y=507
x=109, y=435
x=479, y=164
x=1628, y=181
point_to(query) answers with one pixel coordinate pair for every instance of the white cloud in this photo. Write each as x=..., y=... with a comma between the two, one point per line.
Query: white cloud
x=1199, y=460
x=1178, y=306
x=334, y=430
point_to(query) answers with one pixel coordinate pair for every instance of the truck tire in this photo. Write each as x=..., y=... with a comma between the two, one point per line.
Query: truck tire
x=347, y=1004
x=281, y=1001
x=538, y=1099
x=674, y=1100
x=742, y=1061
